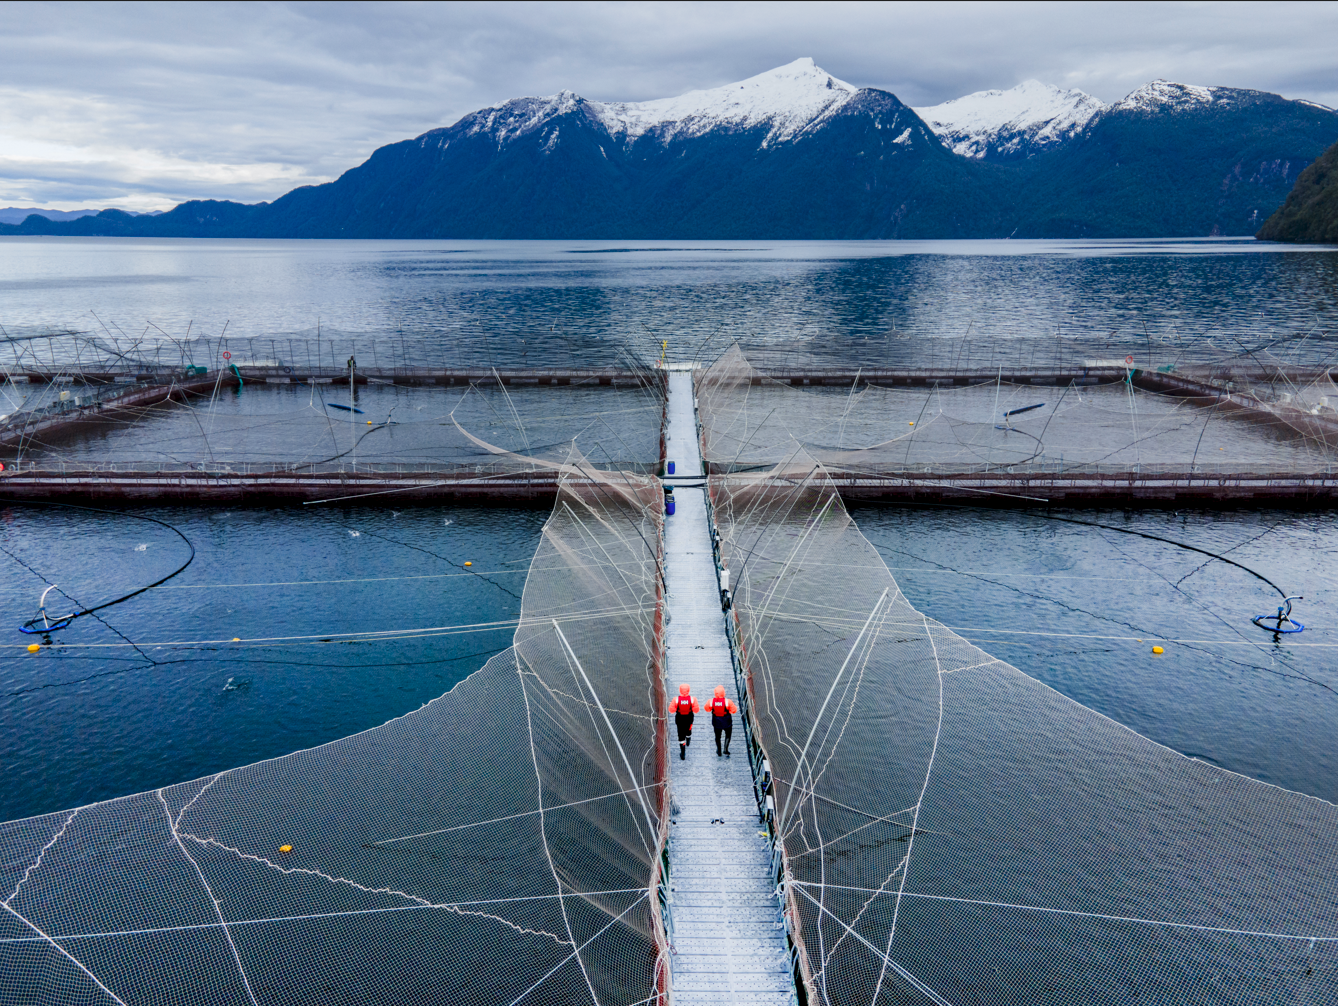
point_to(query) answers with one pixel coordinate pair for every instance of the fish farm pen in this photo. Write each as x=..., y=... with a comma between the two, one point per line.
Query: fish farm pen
x=79, y=400
x=904, y=817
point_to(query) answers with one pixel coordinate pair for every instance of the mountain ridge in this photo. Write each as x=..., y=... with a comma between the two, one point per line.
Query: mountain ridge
x=795, y=152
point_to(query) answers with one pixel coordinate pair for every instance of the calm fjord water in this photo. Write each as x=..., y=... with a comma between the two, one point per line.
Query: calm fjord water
x=554, y=302
x=131, y=708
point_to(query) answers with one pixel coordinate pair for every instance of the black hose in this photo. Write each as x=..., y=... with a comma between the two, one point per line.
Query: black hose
x=28, y=626
x=1170, y=541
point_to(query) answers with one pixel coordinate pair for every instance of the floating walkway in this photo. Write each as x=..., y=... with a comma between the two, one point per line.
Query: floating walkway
x=726, y=925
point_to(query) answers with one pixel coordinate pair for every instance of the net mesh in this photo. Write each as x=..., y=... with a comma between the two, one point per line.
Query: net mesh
x=500, y=844
x=173, y=423
x=1117, y=420
x=954, y=831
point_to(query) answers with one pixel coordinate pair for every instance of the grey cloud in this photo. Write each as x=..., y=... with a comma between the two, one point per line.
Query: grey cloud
x=244, y=101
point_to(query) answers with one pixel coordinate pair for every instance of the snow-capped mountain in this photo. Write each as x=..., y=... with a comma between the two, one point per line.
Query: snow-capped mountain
x=797, y=153
x=788, y=100
x=1166, y=95
x=1019, y=122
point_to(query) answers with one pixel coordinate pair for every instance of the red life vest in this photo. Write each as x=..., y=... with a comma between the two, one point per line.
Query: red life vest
x=720, y=707
x=684, y=705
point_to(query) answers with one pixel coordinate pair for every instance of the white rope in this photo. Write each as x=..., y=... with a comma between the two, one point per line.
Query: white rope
x=509, y=817
x=318, y=916
x=42, y=934
x=650, y=819
x=174, y=825
x=780, y=824
x=1263, y=934
x=372, y=635
x=548, y=852
x=914, y=982
x=362, y=579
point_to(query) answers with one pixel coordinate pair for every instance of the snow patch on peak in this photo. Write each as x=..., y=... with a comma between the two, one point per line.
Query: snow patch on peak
x=1030, y=116
x=1166, y=94
x=789, y=99
x=521, y=115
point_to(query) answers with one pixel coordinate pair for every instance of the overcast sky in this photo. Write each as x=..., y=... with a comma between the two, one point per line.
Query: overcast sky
x=141, y=106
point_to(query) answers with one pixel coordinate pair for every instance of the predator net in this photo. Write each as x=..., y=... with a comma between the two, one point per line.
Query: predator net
x=501, y=844
x=1107, y=419
x=954, y=831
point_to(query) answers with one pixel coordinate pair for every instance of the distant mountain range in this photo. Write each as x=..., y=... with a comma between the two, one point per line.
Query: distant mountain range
x=18, y=214
x=796, y=153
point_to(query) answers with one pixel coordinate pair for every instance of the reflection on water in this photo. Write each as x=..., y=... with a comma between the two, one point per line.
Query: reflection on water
x=531, y=303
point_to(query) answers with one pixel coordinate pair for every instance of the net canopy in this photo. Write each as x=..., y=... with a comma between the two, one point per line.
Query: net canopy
x=72, y=416
x=1119, y=420
x=955, y=831
x=501, y=844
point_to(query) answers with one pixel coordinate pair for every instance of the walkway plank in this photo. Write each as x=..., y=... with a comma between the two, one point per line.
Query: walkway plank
x=727, y=928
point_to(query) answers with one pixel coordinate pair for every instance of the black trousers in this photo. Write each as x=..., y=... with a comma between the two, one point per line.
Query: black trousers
x=684, y=724
x=723, y=724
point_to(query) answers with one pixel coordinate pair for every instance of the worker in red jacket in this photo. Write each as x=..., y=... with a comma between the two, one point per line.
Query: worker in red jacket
x=722, y=718
x=684, y=707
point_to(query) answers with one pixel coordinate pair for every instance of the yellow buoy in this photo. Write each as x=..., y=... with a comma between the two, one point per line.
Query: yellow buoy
x=1158, y=650
x=285, y=848
x=33, y=647
x=911, y=423
x=236, y=639
x=369, y=422
x=469, y=564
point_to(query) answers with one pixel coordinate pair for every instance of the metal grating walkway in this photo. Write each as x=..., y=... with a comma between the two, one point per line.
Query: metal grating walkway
x=727, y=928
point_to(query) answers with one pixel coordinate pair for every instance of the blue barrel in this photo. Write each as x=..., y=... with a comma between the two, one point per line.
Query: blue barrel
x=671, y=468
x=669, y=505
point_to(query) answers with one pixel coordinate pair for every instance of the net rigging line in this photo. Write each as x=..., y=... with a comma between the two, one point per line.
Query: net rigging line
x=520, y=818
x=1021, y=796
x=589, y=613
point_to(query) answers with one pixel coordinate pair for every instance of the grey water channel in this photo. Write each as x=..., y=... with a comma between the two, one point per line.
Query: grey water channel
x=344, y=618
